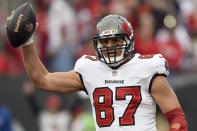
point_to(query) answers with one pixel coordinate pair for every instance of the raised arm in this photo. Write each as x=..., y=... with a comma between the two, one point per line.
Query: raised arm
x=63, y=82
x=20, y=28
x=169, y=104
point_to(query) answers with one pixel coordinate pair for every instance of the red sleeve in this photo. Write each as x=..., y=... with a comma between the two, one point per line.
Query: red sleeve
x=177, y=116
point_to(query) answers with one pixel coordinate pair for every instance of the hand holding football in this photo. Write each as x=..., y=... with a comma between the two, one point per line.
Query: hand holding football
x=21, y=25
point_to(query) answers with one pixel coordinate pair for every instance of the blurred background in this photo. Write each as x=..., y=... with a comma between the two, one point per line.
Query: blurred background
x=65, y=32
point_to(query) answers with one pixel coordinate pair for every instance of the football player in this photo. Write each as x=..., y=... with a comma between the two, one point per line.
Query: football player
x=123, y=87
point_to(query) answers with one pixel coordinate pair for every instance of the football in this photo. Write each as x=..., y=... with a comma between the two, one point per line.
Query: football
x=21, y=25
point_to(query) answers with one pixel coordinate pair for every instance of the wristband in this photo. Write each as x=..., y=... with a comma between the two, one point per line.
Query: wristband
x=176, y=116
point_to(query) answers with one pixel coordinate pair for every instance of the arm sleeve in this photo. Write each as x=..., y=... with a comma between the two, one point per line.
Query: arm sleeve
x=177, y=116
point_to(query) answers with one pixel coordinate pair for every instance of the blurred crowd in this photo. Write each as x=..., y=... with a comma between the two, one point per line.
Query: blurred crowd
x=66, y=31
x=52, y=115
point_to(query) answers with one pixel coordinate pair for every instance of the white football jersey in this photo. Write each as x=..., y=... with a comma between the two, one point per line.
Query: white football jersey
x=121, y=99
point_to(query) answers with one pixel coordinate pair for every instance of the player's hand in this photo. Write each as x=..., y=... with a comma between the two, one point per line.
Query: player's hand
x=30, y=41
x=21, y=25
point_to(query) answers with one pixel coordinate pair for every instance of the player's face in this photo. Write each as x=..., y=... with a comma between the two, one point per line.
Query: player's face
x=112, y=46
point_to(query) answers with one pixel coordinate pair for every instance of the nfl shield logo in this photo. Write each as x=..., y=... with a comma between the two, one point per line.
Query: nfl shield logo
x=29, y=27
x=114, y=73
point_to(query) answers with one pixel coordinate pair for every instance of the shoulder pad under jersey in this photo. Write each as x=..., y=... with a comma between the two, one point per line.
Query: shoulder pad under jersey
x=154, y=63
x=84, y=63
x=160, y=65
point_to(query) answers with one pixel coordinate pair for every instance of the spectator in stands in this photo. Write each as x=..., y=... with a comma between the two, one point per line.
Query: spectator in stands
x=62, y=39
x=53, y=117
x=172, y=51
x=145, y=42
x=62, y=36
x=42, y=31
x=126, y=8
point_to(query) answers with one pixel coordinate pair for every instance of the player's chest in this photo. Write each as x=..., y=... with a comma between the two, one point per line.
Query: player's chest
x=114, y=78
x=112, y=93
x=115, y=85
